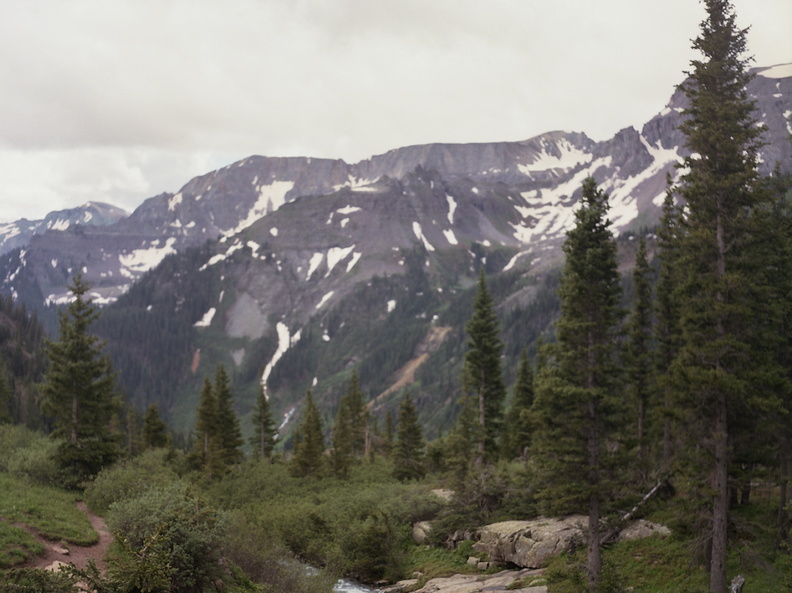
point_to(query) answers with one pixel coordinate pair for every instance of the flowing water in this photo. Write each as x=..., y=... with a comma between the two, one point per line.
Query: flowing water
x=347, y=586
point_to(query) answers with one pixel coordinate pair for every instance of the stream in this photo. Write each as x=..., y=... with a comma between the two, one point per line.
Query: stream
x=347, y=586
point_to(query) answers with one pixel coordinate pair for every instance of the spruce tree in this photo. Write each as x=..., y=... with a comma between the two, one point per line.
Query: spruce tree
x=265, y=433
x=639, y=356
x=409, y=462
x=715, y=365
x=358, y=415
x=518, y=427
x=483, y=376
x=154, y=432
x=207, y=447
x=342, y=441
x=666, y=327
x=309, y=447
x=6, y=396
x=228, y=430
x=578, y=407
x=79, y=391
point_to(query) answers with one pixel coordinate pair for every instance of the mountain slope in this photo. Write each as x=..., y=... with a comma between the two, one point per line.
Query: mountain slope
x=294, y=271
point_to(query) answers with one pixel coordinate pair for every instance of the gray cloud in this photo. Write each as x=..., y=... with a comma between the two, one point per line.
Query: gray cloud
x=120, y=100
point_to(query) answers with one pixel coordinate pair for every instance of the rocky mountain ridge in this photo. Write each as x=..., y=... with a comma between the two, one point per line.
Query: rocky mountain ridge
x=316, y=265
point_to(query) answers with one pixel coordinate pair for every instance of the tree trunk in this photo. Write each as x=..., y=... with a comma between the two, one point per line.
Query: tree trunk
x=73, y=436
x=594, y=552
x=720, y=434
x=641, y=422
x=720, y=507
x=482, y=429
x=783, y=519
x=667, y=432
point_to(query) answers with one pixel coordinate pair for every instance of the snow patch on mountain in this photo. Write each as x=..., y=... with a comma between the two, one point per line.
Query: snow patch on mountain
x=416, y=226
x=451, y=237
x=348, y=210
x=142, y=260
x=271, y=197
x=452, y=206
x=336, y=255
x=59, y=225
x=391, y=306
x=316, y=260
x=174, y=201
x=569, y=157
x=513, y=261
x=325, y=298
x=206, y=320
x=285, y=341
x=355, y=257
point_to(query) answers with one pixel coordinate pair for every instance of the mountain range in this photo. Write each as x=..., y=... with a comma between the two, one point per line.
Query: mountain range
x=295, y=271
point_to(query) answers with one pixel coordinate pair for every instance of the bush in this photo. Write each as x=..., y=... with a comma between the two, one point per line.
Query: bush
x=253, y=548
x=171, y=531
x=28, y=453
x=130, y=479
x=36, y=461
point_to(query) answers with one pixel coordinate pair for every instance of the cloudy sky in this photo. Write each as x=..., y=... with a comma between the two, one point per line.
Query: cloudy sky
x=119, y=100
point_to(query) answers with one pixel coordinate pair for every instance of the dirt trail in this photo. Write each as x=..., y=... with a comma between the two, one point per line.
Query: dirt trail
x=55, y=554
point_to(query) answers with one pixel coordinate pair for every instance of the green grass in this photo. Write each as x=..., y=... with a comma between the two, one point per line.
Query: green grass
x=50, y=511
x=16, y=545
x=438, y=562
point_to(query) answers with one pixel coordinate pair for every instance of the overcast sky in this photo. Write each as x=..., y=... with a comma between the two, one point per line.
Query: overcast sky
x=117, y=101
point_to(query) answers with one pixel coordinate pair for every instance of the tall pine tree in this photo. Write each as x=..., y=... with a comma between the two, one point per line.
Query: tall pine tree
x=409, y=457
x=716, y=365
x=666, y=328
x=639, y=356
x=518, y=422
x=228, y=431
x=578, y=406
x=483, y=376
x=79, y=391
x=265, y=433
x=154, y=432
x=308, y=442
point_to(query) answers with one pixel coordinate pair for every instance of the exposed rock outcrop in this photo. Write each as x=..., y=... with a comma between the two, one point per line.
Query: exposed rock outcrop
x=530, y=544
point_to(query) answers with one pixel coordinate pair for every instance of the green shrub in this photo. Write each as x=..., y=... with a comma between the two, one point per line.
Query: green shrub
x=170, y=530
x=36, y=461
x=253, y=548
x=130, y=479
x=30, y=580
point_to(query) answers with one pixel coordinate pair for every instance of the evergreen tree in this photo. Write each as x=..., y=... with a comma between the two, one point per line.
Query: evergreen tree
x=666, y=328
x=154, y=432
x=463, y=440
x=79, y=392
x=716, y=365
x=639, y=356
x=483, y=376
x=518, y=428
x=229, y=433
x=309, y=442
x=207, y=449
x=409, y=453
x=578, y=406
x=342, y=441
x=389, y=433
x=358, y=415
x=6, y=396
x=265, y=433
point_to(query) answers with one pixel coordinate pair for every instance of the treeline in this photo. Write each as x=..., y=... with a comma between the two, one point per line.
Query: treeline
x=22, y=363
